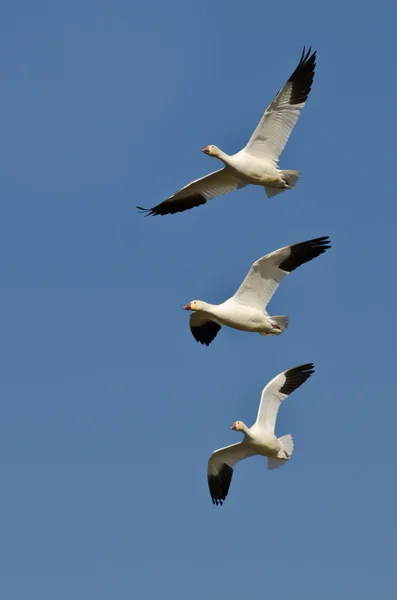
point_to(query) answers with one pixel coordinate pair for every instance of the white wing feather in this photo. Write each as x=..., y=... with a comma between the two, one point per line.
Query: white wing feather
x=278, y=120
x=265, y=275
x=211, y=186
x=262, y=280
x=229, y=455
x=275, y=127
x=220, y=469
x=198, y=192
x=270, y=403
x=277, y=390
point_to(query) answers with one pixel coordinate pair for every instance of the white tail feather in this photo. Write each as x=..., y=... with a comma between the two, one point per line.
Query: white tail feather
x=270, y=192
x=287, y=448
x=290, y=177
x=281, y=322
x=287, y=445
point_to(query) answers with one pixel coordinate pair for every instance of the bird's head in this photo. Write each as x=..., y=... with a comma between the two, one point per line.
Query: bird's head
x=238, y=426
x=194, y=305
x=212, y=150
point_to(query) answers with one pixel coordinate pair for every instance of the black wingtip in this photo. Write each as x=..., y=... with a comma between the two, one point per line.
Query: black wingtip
x=302, y=78
x=306, y=55
x=306, y=369
x=205, y=333
x=296, y=377
x=321, y=242
x=304, y=252
x=148, y=212
x=172, y=206
x=219, y=484
x=217, y=502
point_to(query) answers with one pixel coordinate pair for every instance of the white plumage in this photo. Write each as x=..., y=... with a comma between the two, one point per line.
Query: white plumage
x=246, y=310
x=255, y=164
x=260, y=438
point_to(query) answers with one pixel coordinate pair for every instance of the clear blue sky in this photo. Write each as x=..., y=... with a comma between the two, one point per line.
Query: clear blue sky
x=109, y=408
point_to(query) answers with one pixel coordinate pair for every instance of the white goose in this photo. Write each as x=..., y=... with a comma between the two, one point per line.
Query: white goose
x=246, y=310
x=256, y=163
x=260, y=438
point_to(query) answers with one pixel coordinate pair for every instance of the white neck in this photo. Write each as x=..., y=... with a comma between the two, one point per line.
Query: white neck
x=211, y=309
x=223, y=157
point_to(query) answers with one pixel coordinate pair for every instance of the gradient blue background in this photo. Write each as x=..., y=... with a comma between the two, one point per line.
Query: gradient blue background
x=109, y=408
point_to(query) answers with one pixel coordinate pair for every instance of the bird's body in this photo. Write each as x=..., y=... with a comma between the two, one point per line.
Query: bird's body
x=253, y=170
x=261, y=441
x=243, y=318
x=260, y=438
x=256, y=164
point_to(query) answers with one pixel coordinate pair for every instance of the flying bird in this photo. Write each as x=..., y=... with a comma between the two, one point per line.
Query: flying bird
x=260, y=438
x=255, y=164
x=246, y=310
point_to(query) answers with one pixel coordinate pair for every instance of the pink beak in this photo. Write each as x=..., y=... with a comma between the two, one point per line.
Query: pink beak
x=187, y=307
x=233, y=426
x=205, y=150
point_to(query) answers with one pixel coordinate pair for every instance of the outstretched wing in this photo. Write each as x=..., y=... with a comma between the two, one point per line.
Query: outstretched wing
x=274, y=129
x=197, y=192
x=265, y=275
x=220, y=469
x=277, y=390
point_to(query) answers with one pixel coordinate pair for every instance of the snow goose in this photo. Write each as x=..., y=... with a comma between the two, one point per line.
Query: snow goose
x=256, y=163
x=246, y=310
x=260, y=438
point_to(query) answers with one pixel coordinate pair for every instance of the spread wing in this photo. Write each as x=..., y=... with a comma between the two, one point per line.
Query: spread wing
x=277, y=390
x=274, y=129
x=265, y=275
x=220, y=469
x=197, y=192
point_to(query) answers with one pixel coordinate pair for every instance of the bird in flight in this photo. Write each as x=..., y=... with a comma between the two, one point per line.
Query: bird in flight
x=246, y=310
x=256, y=164
x=260, y=438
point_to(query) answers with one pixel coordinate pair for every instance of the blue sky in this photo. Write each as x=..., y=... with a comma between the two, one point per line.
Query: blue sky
x=109, y=408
